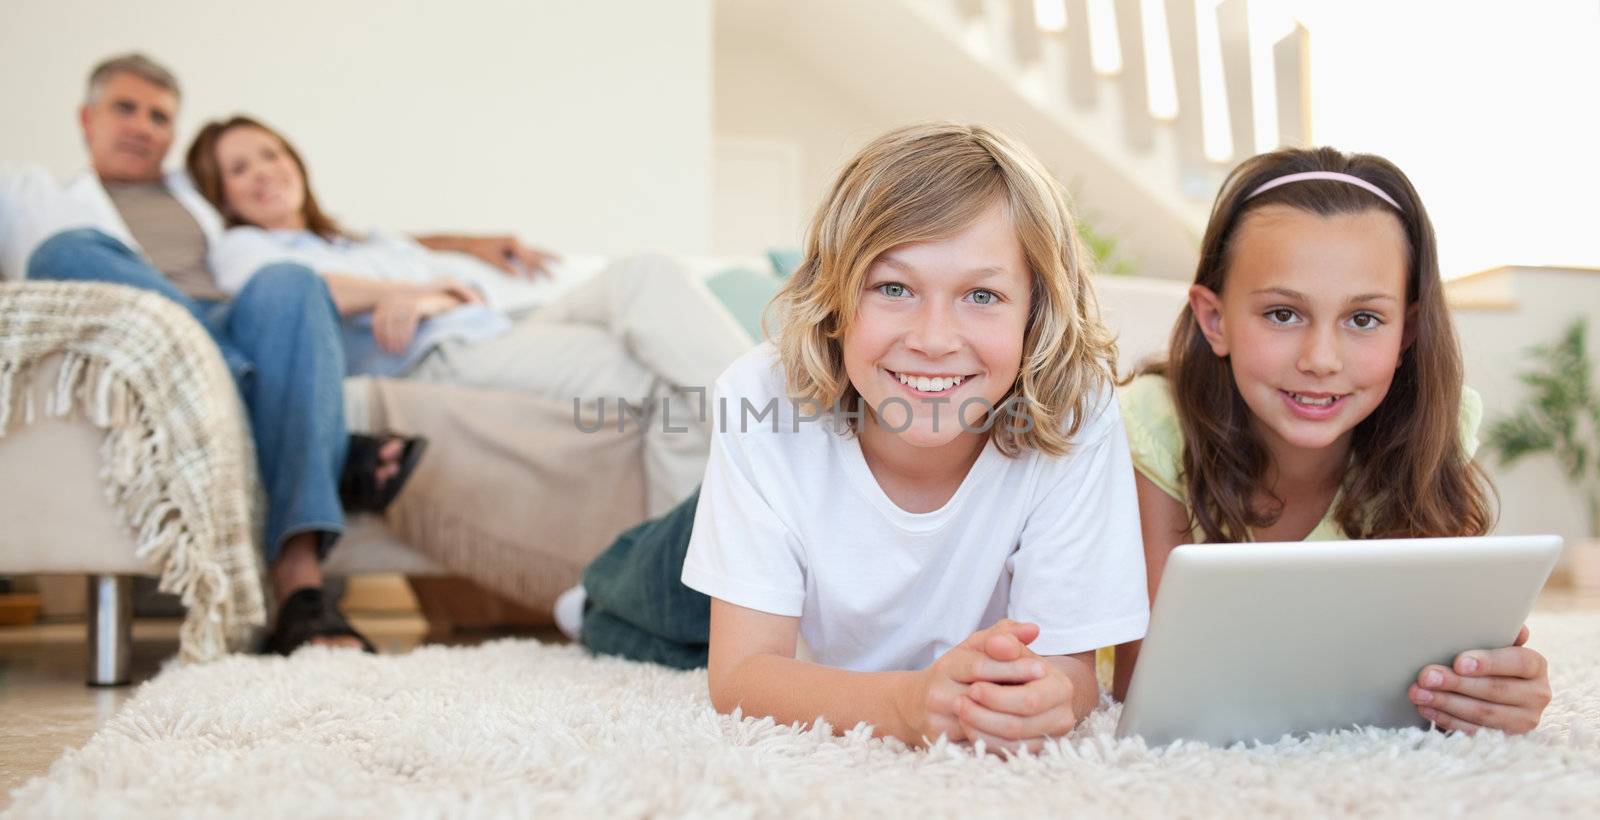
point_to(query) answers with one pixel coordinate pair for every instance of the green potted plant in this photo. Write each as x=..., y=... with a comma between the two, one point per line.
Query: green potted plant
x=1105, y=249
x=1561, y=417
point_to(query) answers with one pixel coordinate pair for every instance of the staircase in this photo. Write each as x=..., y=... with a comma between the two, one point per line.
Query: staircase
x=1133, y=131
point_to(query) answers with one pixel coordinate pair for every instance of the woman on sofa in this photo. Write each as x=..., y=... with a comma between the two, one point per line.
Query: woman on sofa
x=641, y=331
x=125, y=222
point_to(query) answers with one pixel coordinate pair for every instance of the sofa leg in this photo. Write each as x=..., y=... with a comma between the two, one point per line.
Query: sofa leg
x=110, y=629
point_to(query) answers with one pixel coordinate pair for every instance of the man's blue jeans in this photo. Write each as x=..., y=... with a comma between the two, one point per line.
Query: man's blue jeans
x=281, y=338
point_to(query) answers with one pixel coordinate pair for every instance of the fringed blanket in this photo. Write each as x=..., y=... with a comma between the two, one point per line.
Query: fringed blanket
x=178, y=462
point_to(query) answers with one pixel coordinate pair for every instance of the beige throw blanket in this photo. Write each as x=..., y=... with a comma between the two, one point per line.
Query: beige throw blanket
x=178, y=462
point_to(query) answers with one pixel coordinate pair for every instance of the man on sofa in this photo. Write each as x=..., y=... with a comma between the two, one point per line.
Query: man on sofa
x=281, y=338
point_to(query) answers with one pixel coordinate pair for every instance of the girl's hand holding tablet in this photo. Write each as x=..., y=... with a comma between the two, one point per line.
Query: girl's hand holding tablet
x=1505, y=689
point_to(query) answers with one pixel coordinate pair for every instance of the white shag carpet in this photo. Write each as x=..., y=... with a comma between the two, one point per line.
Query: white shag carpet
x=516, y=728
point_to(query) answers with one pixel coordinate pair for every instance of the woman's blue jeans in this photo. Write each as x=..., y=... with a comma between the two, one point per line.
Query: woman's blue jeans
x=281, y=338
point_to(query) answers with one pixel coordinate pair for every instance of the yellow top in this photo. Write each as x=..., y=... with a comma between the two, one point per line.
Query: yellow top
x=1156, y=440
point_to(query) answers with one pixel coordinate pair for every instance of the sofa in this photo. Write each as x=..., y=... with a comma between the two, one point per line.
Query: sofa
x=502, y=505
x=495, y=499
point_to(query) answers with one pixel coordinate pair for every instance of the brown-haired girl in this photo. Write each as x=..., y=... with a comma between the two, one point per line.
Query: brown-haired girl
x=1313, y=390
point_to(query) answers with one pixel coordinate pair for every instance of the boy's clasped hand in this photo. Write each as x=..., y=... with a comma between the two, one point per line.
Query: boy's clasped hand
x=993, y=688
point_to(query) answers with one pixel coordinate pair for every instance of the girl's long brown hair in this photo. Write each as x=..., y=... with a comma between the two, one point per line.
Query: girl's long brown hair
x=1410, y=476
x=206, y=172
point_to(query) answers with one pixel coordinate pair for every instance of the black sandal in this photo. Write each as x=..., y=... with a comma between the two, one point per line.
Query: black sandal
x=306, y=615
x=359, y=488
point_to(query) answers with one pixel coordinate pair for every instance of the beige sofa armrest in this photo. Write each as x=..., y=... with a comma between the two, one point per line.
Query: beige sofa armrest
x=176, y=458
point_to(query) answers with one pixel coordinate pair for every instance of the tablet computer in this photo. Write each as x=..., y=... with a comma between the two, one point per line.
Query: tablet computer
x=1255, y=641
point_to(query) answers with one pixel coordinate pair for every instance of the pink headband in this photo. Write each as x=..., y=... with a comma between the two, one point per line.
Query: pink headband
x=1329, y=175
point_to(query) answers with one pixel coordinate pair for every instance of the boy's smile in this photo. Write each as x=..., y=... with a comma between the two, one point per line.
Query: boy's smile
x=921, y=384
x=940, y=325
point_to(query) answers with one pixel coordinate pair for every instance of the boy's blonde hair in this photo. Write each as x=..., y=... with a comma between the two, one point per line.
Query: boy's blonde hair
x=925, y=183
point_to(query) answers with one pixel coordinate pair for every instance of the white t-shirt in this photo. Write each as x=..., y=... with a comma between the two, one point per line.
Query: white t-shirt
x=379, y=255
x=243, y=251
x=792, y=522
x=34, y=207
x=30, y=203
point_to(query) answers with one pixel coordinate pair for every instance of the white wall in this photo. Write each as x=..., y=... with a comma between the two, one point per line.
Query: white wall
x=763, y=94
x=1493, y=113
x=585, y=127
x=1534, y=494
x=829, y=75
